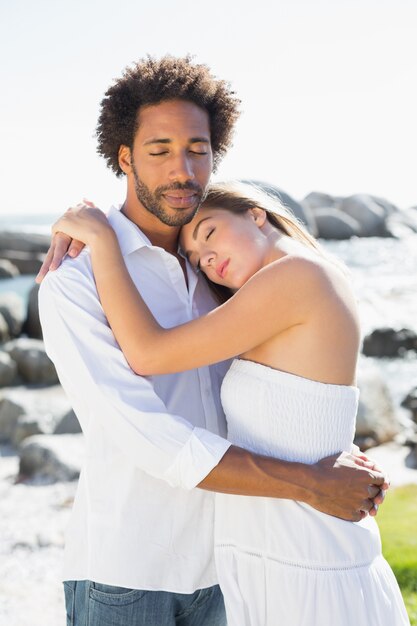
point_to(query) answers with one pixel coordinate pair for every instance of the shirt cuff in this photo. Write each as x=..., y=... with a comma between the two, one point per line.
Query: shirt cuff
x=198, y=457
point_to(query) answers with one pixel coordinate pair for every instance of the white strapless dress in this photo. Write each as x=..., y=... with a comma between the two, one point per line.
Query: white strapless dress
x=281, y=562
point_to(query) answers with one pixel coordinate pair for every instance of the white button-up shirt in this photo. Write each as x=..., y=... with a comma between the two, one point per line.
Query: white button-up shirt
x=137, y=522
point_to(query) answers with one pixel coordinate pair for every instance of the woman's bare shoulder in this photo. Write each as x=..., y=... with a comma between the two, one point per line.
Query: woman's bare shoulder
x=296, y=270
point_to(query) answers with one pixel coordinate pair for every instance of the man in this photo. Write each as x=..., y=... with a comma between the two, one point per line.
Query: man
x=140, y=543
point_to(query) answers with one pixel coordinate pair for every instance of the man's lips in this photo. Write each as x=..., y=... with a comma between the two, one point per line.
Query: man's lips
x=181, y=199
x=222, y=268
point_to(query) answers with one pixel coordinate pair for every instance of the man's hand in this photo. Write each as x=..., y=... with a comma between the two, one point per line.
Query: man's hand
x=348, y=486
x=61, y=245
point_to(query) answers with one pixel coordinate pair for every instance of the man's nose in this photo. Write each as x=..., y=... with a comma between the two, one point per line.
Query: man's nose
x=182, y=169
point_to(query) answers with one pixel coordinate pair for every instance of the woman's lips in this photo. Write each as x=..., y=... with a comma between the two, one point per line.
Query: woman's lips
x=221, y=269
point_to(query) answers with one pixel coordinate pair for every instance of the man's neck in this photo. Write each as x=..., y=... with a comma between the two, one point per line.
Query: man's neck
x=159, y=234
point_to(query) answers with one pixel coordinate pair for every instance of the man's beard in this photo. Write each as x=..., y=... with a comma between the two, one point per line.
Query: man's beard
x=152, y=201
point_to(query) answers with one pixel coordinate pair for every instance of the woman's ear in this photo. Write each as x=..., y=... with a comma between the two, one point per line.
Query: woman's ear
x=124, y=159
x=258, y=215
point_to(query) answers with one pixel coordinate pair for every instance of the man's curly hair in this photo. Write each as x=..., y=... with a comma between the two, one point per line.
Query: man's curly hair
x=152, y=81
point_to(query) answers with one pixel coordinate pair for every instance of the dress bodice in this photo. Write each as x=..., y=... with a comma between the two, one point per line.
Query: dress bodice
x=287, y=416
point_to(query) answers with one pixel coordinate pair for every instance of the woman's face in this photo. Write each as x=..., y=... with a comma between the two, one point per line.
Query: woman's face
x=228, y=247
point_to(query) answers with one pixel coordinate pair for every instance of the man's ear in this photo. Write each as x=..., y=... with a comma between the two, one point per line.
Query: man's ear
x=258, y=215
x=125, y=159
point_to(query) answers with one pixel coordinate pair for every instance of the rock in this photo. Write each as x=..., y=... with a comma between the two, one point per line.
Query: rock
x=32, y=326
x=40, y=410
x=403, y=222
x=389, y=342
x=32, y=361
x=68, y=424
x=24, y=242
x=376, y=421
x=303, y=214
x=26, y=262
x=388, y=207
x=26, y=426
x=318, y=200
x=12, y=309
x=7, y=269
x=38, y=424
x=4, y=330
x=411, y=460
x=334, y=224
x=52, y=457
x=395, y=459
x=10, y=412
x=410, y=402
x=8, y=369
x=369, y=215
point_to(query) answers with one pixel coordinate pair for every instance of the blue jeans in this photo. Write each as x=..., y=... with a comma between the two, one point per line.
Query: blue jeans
x=94, y=604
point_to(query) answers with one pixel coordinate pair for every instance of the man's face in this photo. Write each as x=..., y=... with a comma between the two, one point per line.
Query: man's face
x=171, y=161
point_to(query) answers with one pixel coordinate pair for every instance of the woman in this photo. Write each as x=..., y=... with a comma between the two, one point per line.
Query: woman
x=289, y=316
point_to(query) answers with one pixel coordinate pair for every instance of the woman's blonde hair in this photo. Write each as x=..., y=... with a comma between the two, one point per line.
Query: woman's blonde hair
x=238, y=198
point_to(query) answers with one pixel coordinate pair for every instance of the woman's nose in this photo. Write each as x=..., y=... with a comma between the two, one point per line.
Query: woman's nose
x=208, y=258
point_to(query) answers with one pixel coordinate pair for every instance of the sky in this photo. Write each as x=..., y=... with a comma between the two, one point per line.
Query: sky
x=328, y=91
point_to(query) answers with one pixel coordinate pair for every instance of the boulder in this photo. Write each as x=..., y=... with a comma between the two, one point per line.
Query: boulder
x=318, y=200
x=411, y=460
x=7, y=269
x=410, y=402
x=369, y=215
x=41, y=410
x=10, y=411
x=387, y=342
x=403, y=222
x=388, y=207
x=45, y=423
x=4, y=330
x=26, y=262
x=303, y=214
x=32, y=326
x=32, y=361
x=376, y=421
x=334, y=224
x=25, y=411
x=68, y=424
x=52, y=457
x=12, y=309
x=28, y=425
x=8, y=369
x=24, y=242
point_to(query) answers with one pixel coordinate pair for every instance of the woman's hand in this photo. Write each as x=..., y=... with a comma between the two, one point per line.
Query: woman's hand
x=85, y=223
x=63, y=243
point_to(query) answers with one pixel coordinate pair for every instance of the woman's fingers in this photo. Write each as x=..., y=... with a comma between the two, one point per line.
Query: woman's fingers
x=58, y=249
x=62, y=245
x=75, y=248
x=46, y=264
x=89, y=203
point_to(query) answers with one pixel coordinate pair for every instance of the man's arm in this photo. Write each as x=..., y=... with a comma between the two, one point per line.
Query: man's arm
x=343, y=485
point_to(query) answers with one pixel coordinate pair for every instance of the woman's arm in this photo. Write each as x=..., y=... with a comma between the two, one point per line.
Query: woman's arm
x=266, y=305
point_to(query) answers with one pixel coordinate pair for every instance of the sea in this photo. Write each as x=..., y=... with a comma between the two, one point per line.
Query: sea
x=384, y=278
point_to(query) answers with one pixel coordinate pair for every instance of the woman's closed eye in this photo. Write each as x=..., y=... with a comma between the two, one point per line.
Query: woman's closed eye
x=210, y=232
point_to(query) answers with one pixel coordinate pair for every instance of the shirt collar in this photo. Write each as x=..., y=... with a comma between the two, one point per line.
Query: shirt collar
x=130, y=237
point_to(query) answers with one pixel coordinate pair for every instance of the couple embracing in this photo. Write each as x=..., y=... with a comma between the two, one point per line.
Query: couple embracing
x=183, y=490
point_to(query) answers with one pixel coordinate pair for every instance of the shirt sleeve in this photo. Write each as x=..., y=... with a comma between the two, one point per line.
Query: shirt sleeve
x=95, y=375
